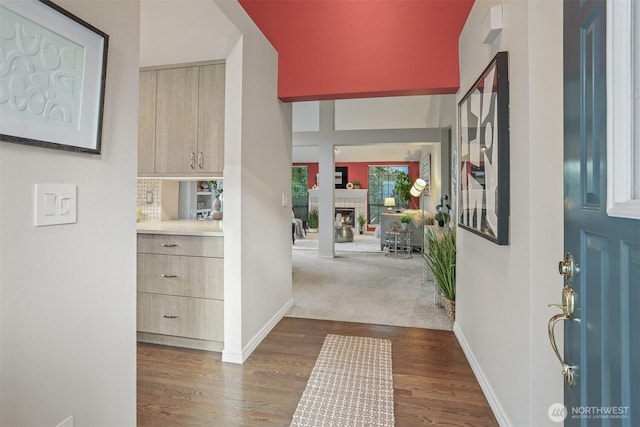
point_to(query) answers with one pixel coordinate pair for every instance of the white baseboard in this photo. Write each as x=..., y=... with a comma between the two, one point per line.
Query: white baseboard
x=482, y=380
x=233, y=357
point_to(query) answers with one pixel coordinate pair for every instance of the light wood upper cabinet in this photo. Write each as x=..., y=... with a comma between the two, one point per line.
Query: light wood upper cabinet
x=182, y=112
x=147, y=123
x=211, y=118
x=177, y=120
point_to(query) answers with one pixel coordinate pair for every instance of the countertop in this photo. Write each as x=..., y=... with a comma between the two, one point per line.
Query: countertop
x=183, y=227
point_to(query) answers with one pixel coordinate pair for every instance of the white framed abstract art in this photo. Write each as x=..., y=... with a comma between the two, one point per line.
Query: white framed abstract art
x=52, y=76
x=483, y=204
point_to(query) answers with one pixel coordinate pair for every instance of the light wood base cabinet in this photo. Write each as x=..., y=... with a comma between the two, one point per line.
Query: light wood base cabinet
x=181, y=291
x=186, y=317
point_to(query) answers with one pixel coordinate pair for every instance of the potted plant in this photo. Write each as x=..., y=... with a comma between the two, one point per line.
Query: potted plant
x=362, y=221
x=405, y=220
x=403, y=188
x=440, y=256
x=312, y=220
x=356, y=184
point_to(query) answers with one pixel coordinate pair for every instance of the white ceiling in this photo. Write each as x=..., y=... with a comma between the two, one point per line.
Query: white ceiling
x=174, y=32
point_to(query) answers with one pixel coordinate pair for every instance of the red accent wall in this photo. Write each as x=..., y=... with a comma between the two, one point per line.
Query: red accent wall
x=359, y=171
x=353, y=49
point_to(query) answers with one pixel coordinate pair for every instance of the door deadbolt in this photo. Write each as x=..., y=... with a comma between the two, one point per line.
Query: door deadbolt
x=568, y=267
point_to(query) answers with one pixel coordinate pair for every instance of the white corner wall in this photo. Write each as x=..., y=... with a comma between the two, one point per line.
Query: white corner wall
x=258, y=284
x=67, y=307
x=503, y=291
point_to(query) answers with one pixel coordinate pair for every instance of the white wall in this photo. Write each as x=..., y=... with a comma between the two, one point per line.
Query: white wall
x=503, y=290
x=257, y=173
x=67, y=322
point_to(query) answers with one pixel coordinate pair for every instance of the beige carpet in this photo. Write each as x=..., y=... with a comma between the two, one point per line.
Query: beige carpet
x=351, y=385
x=364, y=287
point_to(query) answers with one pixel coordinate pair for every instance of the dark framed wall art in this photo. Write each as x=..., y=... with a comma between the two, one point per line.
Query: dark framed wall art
x=341, y=176
x=52, y=77
x=483, y=117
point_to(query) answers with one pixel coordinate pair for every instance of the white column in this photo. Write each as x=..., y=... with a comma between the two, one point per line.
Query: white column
x=326, y=184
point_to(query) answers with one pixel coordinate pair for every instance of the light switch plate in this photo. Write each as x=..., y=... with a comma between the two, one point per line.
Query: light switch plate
x=55, y=204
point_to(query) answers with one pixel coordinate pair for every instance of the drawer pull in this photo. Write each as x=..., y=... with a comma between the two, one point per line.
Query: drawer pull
x=169, y=276
x=169, y=245
x=169, y=316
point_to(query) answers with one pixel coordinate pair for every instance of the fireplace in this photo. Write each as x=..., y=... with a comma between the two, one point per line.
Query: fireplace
x=354, y=201
x=347, y=215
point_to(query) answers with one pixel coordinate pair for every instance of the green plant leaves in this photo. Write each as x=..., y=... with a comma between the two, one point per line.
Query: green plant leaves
x=440, y=256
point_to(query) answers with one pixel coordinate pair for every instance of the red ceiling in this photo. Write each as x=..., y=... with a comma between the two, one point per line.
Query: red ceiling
x=334, y=49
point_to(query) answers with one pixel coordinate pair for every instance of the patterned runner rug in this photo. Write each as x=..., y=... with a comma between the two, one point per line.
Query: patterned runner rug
x=351, y=385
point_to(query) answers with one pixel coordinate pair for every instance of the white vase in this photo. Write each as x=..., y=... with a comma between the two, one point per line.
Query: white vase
x=216, y=214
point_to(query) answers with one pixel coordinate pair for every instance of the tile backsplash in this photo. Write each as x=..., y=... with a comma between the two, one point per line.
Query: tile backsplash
x=150, y=211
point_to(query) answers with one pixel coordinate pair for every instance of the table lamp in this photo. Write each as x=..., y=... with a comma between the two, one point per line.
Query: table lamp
x=389, y=203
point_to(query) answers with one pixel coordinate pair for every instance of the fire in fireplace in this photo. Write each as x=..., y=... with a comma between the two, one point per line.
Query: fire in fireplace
x=347, y=215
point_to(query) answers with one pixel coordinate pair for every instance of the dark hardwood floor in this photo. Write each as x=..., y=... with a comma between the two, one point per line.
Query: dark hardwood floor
x=433, y=382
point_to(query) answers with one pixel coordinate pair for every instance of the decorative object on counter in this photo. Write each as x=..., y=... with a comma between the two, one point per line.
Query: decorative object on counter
x=442, y=211
x=312, y=221
x=349, y=185
x=356, y=185
x=362, y=221
x=216, y=189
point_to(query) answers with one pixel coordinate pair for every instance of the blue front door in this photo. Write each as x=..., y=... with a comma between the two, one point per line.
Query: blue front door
x=602, y=338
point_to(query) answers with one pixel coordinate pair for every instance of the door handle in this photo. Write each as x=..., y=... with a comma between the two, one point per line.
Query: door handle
x=200, y=160
x=192, y=160
x=567, y=306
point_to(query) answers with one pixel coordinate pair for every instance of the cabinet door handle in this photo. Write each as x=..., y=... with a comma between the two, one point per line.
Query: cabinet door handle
x=169, y=276
x=192, y=160
x=169, y=245
x=169, y=316
x=200, y=160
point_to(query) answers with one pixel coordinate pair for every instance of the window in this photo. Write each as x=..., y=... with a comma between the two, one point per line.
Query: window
x=623, y=109
x=382, y=182
x=299, y=193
